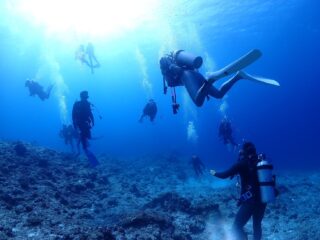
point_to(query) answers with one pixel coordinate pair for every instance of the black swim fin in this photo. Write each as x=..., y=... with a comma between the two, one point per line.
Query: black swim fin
x=92, y=158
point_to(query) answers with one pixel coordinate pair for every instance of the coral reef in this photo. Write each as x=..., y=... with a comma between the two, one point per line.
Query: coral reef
x=45, y=194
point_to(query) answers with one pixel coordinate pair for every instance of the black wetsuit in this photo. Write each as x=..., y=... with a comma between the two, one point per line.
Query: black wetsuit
x=197, y=165
x=225, y=132
x=149, y=110
x=36, y=89
x=196, y=84
x=83, y=120
x=252, y=206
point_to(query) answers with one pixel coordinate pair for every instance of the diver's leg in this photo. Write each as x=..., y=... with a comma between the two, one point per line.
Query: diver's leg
x=257, y=217
x=78, y=145
x=235, y=66
x=47, y=93
x=224, y=88
x=91, y=64
x=84, y=142
x=241, y=219
x=83, y=137
x=42, y=96
x=96, y=61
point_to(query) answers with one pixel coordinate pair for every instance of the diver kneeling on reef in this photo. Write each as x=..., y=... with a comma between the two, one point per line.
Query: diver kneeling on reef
x=257, y=189
x=180, y=68
x=83, y=121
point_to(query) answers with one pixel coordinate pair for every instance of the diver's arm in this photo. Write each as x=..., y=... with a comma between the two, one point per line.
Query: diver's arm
x=91, y=118
x=228, y=173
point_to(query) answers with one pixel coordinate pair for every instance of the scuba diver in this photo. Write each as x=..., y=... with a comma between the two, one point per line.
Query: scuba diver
x=83, y=121
x=68, y=133
x=87, y=56
x=225, y=132
x=36, y=89
x=257, y=189
x=180, y=68
x=149, y=110
x=197, y=165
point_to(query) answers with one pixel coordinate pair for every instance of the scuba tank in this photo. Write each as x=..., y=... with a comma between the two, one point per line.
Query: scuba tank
x=186, y=59
x=266, y=180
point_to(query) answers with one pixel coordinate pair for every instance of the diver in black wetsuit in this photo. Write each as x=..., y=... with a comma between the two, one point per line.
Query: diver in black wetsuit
x=36, y=89
x=82, y=118
x=149, y=110
x=83, y=53
x=94, y=63
x=180, y=68
x=197, y=165
x=69, y=134
x=83, y=121
x=250, y=200
x=225, y=132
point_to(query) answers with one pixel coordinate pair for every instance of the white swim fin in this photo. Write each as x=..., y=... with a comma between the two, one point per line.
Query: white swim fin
x=263, y=80
x=235, y=66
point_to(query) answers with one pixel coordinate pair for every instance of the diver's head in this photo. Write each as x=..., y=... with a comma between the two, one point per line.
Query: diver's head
x=84, y=95
x=249, y=150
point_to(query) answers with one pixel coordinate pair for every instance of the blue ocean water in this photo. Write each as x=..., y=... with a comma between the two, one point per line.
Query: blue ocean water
x=39, y=42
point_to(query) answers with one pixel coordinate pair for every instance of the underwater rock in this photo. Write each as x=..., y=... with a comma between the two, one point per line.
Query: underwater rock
x=76, y=188
x=34, y=221
x=144, y=219
x=205, y=208
x=8, y=199
x=20, y=149
x=46, y=195
x=135, y=191
x=43, y=163
x=170, y=202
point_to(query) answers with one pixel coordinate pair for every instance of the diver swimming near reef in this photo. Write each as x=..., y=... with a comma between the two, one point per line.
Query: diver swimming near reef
x=149, y=110
x=257, y=189
x=225, y=133
x=87, y=56
x=36, y=89
x=83, y=121
x=69, y=134
x=197, y=165
x=180, y=68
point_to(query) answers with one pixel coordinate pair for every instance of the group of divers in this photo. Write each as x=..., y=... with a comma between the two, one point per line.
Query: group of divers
x=180, y=68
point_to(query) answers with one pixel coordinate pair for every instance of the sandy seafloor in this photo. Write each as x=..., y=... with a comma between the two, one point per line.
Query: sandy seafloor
x=50, y=195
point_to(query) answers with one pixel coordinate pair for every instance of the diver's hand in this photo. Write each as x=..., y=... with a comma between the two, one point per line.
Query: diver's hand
x=212, y=172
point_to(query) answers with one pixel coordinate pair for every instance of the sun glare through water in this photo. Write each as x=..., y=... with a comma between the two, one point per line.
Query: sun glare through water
x=94, y=18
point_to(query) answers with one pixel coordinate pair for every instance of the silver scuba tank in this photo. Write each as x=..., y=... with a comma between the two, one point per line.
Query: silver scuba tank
x=186, y=59
x=266, y=181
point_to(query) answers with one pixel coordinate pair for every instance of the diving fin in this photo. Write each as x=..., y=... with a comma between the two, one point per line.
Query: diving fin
x=247, y=76
x=92, y=158
x=235, y=66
